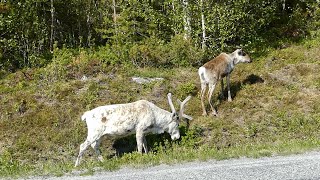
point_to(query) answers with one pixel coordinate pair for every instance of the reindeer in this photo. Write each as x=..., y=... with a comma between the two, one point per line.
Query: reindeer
x=216, y=69
x=140, y=117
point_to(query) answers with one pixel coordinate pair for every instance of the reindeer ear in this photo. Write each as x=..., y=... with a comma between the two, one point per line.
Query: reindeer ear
x=241, y=52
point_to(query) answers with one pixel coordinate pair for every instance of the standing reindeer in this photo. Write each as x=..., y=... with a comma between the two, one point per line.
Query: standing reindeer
x=216, y=69
x=140, y=117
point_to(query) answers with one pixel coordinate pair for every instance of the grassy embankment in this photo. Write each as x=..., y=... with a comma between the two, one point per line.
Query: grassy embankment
x=275, y=110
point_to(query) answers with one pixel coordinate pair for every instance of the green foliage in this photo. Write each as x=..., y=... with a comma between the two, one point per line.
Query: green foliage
x=179, y=52
x=91, y=95
x=107, y=55
x=70, y=64
x=7, y=164
x=183, y=53
x=192, y=137
x=151, y=52
x=57, y=70
x=11, y=167
x=183, y=90
x=146, y=33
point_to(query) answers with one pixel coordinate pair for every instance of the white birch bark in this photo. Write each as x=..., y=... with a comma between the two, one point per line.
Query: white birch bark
x=52, y=26
x=187, y=19
x=203, y=25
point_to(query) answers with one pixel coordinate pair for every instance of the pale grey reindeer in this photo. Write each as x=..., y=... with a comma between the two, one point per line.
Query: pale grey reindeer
x=216, y=69
x=140, y=117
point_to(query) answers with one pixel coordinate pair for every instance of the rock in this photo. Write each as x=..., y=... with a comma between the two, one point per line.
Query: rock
x=141, y=80
x=84, y=78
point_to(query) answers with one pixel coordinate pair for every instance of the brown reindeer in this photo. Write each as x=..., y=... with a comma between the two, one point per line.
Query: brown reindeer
x=216, y=69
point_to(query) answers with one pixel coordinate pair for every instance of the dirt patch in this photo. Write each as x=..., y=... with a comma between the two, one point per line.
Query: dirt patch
x=304, y=78
x=302, y=75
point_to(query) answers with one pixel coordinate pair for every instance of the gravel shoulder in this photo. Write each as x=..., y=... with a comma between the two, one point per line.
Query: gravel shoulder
x=301, y=166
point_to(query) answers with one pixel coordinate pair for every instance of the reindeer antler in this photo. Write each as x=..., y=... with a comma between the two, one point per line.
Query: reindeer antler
x=170, y=103
x=182, y=104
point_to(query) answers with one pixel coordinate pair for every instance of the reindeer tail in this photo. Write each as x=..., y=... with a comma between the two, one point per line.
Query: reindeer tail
x=85, y=116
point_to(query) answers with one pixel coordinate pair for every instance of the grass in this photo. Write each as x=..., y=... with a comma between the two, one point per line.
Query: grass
x=275, y=111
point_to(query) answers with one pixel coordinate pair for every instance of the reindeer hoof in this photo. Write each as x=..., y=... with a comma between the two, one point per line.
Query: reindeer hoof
x=100, y=158
x=229, y=99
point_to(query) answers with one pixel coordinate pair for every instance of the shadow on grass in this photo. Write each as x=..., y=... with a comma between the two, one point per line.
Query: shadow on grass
x=154, y=141
x=237, y=86
x=129, y=144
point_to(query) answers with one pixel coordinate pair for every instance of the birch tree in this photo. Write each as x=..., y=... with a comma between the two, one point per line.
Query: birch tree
x=203, y=26
x=52, y=25
x=186, y=19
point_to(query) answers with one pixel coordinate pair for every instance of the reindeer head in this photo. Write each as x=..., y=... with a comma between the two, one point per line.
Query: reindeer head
x=176, y=117
x=241, y=56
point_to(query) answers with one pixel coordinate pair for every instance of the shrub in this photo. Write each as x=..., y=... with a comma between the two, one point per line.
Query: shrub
x=186, y=89
x=182, y=52
x=149, y=52
x=58, y=69
x=8, y=165
x=154, y=52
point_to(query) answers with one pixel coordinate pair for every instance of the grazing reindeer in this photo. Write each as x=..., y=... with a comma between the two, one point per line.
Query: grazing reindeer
x=140, y=117
x=216, y=69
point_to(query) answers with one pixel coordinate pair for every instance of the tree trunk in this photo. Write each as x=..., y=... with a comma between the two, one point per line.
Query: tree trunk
x=52, y=26
x=186, y=18
x=114, y=16
x=89, y=25
x=114, y=11
x=203, y=43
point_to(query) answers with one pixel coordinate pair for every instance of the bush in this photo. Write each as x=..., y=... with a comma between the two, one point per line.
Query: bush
x=107, y=55
x=179, y=52
x=183, y=52
x=74, y=64
x=8, y=165
x=149, y=52
x=58, y=69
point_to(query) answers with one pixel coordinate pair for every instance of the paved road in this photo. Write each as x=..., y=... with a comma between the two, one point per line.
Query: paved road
x=302, y=166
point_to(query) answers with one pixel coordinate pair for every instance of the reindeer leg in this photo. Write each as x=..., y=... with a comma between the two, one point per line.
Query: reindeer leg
x=203, y=91
x=91, y=138
x=144, y=144
x=222, y=85
x=83, y=147
x=139, y=138
x=95, y=145
x=228, y=87
x=211, y=89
